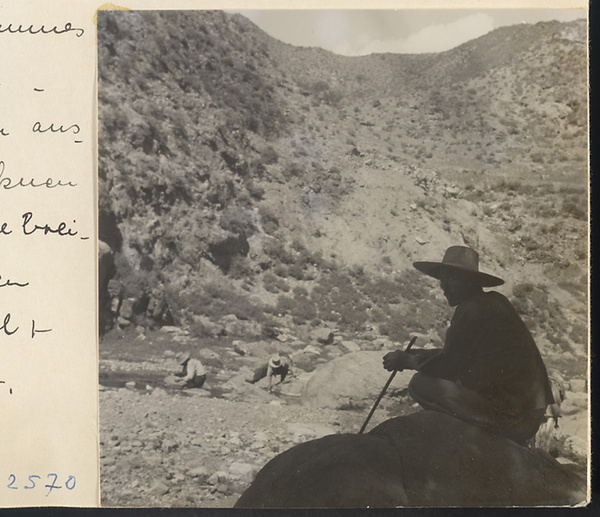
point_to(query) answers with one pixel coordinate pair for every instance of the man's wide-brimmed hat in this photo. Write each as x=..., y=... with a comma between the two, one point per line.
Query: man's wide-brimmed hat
x=182, y=357
x=275, y=361
x=463, y=259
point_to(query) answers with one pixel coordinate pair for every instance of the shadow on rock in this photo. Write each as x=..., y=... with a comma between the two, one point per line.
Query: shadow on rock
x=424, y=459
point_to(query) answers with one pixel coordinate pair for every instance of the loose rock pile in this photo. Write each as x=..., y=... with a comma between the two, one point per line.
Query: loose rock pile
x=203, y=447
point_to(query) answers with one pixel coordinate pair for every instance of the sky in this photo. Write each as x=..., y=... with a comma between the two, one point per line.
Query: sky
x=357, y=32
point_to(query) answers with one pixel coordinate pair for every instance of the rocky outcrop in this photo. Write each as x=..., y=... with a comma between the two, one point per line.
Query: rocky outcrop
x=424, y=459
x=349, y=381
x=106, y=270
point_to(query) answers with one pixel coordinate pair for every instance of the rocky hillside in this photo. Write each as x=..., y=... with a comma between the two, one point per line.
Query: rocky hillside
x=248, y=188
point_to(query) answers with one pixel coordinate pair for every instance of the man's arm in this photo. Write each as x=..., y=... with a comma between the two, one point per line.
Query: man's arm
x=412, y=360
x=270, y=376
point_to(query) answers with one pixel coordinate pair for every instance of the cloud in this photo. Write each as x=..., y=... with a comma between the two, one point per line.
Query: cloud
x=432, y=38
x=332, y=29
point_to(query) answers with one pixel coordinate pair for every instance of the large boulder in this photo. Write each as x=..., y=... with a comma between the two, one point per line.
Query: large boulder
x=424, y=459
x=353, y=379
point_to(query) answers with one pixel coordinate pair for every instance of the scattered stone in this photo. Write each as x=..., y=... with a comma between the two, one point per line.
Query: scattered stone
x=168, y=329
x=169, y=446
x=421, y=240
x=451, y=191
x=123, y=322
x=126, y=310
x=243, y=472
x=311, y=349
x=217, y=477
x=198, y=392
x=207, y=354
x=199, y=472
x=240, y=347
x=159, y=489
x=130, y=385
x=305, y=432
x=350, y=346
x=324, y=336
x=578, y=385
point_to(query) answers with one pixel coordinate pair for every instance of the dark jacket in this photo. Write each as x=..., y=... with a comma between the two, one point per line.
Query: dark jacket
x=489, y=350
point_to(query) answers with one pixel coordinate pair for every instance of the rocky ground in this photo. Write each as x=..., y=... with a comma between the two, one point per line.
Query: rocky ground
x=203, y=447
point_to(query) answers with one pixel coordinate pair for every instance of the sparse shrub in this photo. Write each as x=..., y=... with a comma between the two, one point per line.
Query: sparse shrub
x=276, y=250
x=395, y=328
x=240, y=267
x=293, y=170
x=537, y=157
x=255, y=191
x=280, y=270
x=523, y=290
x=296, y=271
x=269, y=155
x=274, y=284
x=382, y=291
x=574, y=209
x=215, y=299
x=351, y=406
x=269, y=221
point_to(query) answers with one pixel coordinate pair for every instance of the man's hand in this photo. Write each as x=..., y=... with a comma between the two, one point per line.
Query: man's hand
x=399, y=360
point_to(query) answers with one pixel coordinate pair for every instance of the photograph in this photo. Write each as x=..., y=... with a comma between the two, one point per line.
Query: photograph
x=343, y=258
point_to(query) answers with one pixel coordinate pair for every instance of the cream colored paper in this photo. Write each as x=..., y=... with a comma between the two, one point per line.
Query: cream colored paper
x=48, y=334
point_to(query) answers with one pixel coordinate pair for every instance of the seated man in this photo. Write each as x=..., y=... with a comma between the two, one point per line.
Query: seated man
x=490, y=372
x=193, y=374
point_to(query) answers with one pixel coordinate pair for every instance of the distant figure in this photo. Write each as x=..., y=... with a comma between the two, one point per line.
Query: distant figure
x=553, y=412
x=277, y=365
x=490, y=372
x=192, y=375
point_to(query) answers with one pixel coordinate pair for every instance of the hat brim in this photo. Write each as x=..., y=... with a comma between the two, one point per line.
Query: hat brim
x=183, y=359
x=435, y=269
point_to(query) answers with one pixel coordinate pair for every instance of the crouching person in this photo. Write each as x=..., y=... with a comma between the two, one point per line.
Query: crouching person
x=192, y=375
x=277, y=366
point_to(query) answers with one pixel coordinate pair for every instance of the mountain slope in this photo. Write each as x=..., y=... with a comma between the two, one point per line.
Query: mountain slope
x=292, y=187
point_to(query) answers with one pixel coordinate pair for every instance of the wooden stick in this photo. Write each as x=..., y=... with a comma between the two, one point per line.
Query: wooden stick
x=387, y=384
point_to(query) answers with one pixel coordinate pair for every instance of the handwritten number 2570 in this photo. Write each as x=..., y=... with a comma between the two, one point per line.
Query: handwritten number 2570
x=31, y=484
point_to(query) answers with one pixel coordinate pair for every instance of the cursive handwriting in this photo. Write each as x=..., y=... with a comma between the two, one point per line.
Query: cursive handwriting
x=8, y=328
x=3, y=132
x=10, y=283
x=62, y=229
x=5, y=326
x=34, y=331
x=10, y=389
x=20, y=29
x=8, y=183
x=37, y=128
